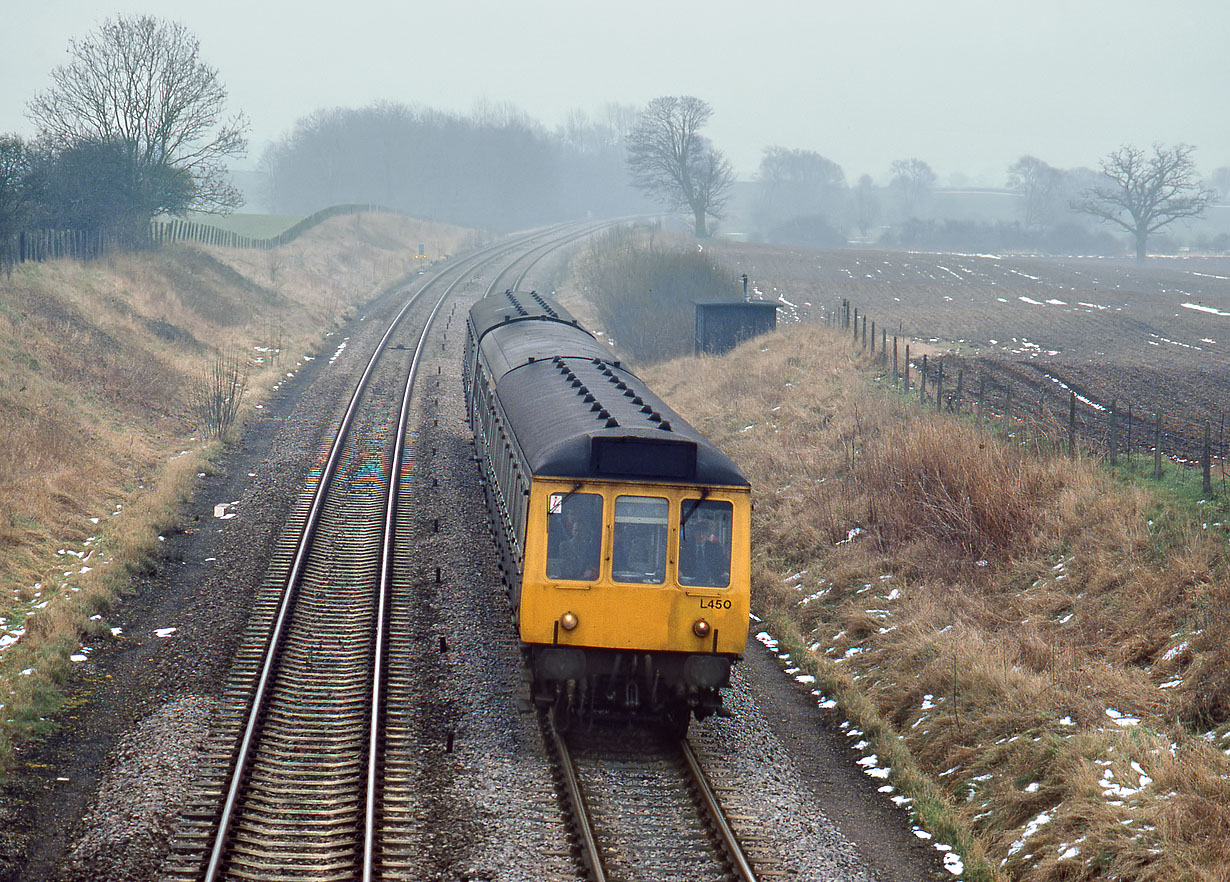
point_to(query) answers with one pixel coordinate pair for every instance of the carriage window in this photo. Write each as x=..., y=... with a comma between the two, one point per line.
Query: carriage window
x=574, y=536
x=639, y=554
x=704, y=543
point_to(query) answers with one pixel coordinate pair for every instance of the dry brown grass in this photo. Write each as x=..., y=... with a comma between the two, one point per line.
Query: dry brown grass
x=993, y=606
x=99, y=443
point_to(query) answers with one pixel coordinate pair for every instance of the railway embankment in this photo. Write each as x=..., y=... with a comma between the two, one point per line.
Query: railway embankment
x=1026, y=650
x=120, y=380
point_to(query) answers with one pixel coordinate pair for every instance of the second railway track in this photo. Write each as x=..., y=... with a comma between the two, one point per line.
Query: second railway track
x=315, y=770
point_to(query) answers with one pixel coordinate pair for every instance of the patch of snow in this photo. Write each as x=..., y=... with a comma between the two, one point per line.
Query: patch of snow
x=1121, y=719
x=1208, y=309
x=1174, y=651
x=1030, y=829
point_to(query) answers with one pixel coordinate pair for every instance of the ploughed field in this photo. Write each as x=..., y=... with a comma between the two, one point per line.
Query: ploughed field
x=1156, y=336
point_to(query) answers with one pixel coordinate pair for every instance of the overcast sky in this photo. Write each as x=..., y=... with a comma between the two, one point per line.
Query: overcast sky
x=967, y=85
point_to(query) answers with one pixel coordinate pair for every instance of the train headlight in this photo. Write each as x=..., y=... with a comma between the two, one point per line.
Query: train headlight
x=701, y=628
x=568, y=621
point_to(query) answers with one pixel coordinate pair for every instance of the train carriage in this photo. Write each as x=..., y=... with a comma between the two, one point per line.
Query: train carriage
x=623, y=533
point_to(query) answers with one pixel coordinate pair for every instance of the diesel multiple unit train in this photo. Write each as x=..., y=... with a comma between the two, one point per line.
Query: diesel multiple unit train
x=623, y=534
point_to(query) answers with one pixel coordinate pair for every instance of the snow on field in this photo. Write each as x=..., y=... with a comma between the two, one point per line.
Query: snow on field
x=1081, y=398
x=1208, y=309
x=1158, y=339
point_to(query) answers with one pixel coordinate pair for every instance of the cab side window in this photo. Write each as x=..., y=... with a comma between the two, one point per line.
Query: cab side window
x=639, y=552
x=574, y=536
x=704, y=543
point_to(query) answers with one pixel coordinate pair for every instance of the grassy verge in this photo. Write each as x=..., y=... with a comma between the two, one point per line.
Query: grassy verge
x=1035, y=646
x=101, y=434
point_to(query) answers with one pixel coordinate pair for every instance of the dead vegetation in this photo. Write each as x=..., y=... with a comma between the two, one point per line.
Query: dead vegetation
x=1037, y=649
x=118, y=374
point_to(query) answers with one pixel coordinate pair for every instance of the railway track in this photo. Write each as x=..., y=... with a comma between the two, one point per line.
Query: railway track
x=311, y=770
x=641, y=807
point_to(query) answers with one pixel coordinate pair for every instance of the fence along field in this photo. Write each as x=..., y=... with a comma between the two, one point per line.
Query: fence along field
x=1104, y=430
x=42, y=245
x=1146, y=340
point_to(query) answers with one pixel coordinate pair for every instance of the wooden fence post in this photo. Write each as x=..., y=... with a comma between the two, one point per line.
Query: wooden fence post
x=906, y=371
x=922, y=383
x=873, y=338
x=939, y=387
x=1221, y=449
x=896, y=373
x=960, y=388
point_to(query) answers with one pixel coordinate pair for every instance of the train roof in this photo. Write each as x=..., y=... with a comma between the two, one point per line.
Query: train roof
x=497, y=310
x=586, y=418
x=509, y=346
x=575, y=411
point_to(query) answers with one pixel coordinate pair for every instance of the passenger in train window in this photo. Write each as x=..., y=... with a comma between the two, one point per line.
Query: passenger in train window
x=704, y=546
x=574, y=537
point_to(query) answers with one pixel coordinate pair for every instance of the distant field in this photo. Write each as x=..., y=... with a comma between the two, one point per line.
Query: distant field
x=259, y=226
x=1155, y=336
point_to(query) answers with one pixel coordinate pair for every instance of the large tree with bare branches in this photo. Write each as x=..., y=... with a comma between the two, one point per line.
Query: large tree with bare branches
x=1143, y=192
x=911, y=181
x=1040, y=187
x=671, y=160
x=139, y=86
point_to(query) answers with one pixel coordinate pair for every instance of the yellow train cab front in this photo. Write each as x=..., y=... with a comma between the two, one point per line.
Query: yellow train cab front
x=636, y=566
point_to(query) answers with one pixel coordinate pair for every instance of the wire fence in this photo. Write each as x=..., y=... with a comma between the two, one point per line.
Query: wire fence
x=1033, y=414
x=40, y=245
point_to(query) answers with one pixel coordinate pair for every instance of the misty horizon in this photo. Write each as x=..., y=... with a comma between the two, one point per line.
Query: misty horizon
x=967, y=89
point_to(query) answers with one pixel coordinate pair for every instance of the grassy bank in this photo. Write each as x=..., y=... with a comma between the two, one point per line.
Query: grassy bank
x=106, y=365
x=1035, y=646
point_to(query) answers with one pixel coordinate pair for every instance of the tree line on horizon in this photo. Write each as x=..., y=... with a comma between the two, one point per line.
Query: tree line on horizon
x=495, y=168
x=133, y=127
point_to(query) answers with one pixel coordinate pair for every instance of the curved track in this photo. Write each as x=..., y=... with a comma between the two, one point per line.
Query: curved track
x=308, y=777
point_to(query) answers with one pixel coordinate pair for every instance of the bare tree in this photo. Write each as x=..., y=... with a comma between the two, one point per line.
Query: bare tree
x=140, y=83
x=1143, y=192
x=1040, y=187
x=866, y=204
x=14, y=176
x=912, y=180
x=798, y=183
x=672, y=161
x=1219, y=180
